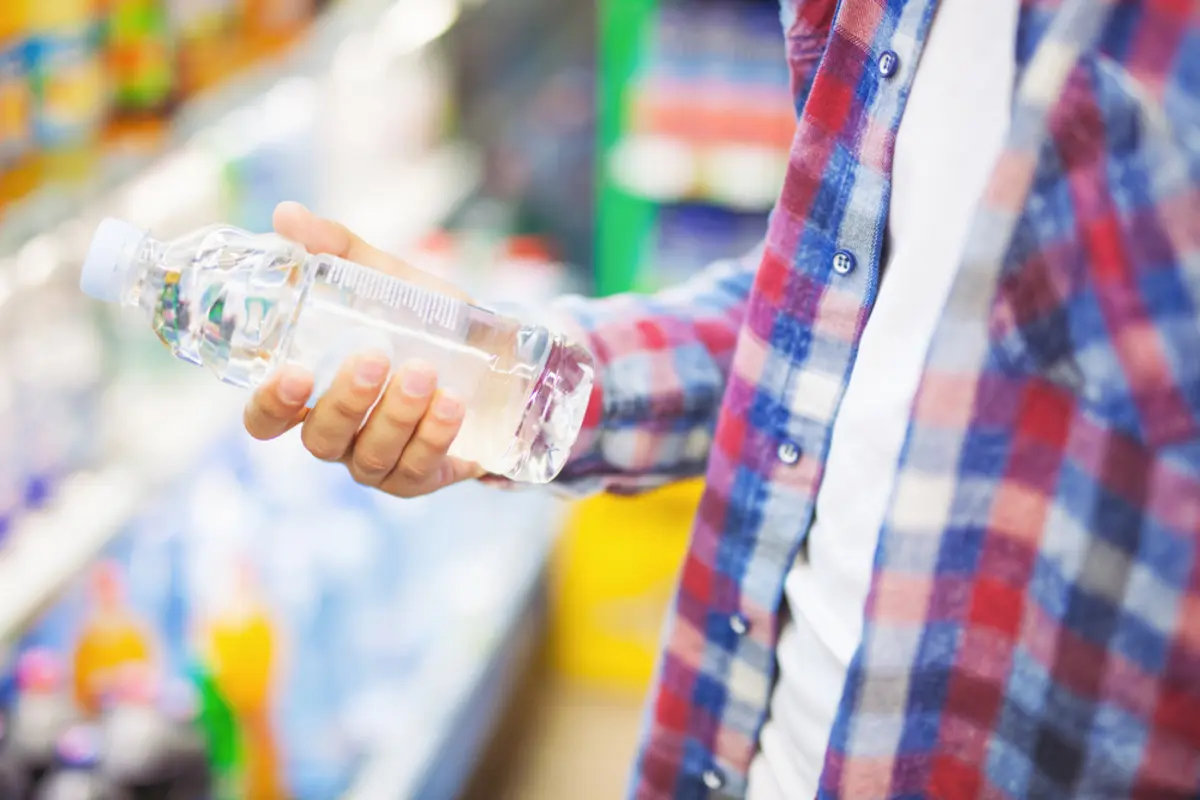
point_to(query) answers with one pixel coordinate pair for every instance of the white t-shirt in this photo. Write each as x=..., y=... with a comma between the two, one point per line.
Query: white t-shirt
x=949, y=138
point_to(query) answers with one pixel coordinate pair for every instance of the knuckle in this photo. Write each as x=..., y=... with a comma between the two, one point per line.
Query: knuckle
x=412, y=472
x=320, y=446
x=350, y=406
x=400, y=415
x=369, y=465
x=365, y=477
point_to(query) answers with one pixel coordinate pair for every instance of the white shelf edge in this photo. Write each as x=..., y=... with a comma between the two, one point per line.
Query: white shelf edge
x=669, y=170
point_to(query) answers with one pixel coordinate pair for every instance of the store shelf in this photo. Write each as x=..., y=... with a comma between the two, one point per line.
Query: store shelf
x=51, y=546
x=398, y=25
x=453, y=702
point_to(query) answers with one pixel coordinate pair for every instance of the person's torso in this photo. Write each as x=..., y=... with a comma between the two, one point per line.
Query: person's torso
x=951, y=134
x=1027, y=625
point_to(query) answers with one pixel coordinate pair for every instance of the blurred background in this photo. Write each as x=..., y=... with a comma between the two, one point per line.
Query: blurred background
x=171, y=593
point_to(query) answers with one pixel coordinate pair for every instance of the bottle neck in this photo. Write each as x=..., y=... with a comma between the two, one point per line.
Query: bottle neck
x=146, y=277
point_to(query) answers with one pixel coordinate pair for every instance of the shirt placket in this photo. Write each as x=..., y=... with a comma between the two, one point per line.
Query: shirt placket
x=814, y=366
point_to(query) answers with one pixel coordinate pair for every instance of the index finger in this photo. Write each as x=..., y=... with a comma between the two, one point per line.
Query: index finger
x=278, y=405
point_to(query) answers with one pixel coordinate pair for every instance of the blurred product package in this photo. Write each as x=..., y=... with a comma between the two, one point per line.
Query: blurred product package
x=140, y=54
x=18, y=168
x=83, y=82
x=271, y=24
x=70, y=86
x=208, y=35
x=711, y=112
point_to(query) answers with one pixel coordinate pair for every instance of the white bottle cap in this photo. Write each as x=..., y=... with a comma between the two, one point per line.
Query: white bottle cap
x=108, y=259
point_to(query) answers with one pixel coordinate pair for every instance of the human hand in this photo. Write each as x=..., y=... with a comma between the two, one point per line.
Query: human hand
x=400, y=447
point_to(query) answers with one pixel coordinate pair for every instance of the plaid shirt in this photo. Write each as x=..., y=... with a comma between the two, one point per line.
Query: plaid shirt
x=1033, y=624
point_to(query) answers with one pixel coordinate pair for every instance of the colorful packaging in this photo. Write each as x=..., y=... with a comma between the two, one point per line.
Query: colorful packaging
x=271, y=24
x=141, y=60
x=70, y=91
x=210, y=39
x=17, y=166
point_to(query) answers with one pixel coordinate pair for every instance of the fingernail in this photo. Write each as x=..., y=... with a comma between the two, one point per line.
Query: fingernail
x=294, y=387
x=447, y=408
x=417, y=381
x=370, y=371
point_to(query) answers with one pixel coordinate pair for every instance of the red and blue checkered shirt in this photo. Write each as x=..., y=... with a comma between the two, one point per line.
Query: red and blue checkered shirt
x=1033, y=623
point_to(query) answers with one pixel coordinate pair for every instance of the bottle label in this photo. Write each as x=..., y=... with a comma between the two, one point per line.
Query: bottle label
x=69, y=86
x=170, y=313
x=15, y=105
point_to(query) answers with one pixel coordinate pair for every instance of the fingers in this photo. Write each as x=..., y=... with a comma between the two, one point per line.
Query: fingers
x=402, y=446
x=330, y=428
x=278, y=405
x=423, y=466
x=392, y=424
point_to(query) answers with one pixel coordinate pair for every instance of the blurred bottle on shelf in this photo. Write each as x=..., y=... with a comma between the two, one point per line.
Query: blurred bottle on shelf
x=188, y=772
x=13, y=784
x=209, y=36
x=272, y=24
x=76, y=774
x=111, y=639
x=242, y=304
x=151, y=749
x=42, y=712
x=241, y=648
x=18, y=167
x=70, y=88
x=141, y=58
x=221, y=737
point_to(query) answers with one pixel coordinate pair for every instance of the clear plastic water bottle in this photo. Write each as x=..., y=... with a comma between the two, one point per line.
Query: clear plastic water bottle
x=243, y=304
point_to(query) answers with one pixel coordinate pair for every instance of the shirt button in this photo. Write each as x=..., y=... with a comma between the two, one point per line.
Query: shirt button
x=739, y=624
x=789, y=453
x=889, y=62
x=713, y=779
x=843, y=262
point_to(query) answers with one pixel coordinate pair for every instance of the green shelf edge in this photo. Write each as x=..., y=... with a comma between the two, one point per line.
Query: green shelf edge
x=623, y=222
